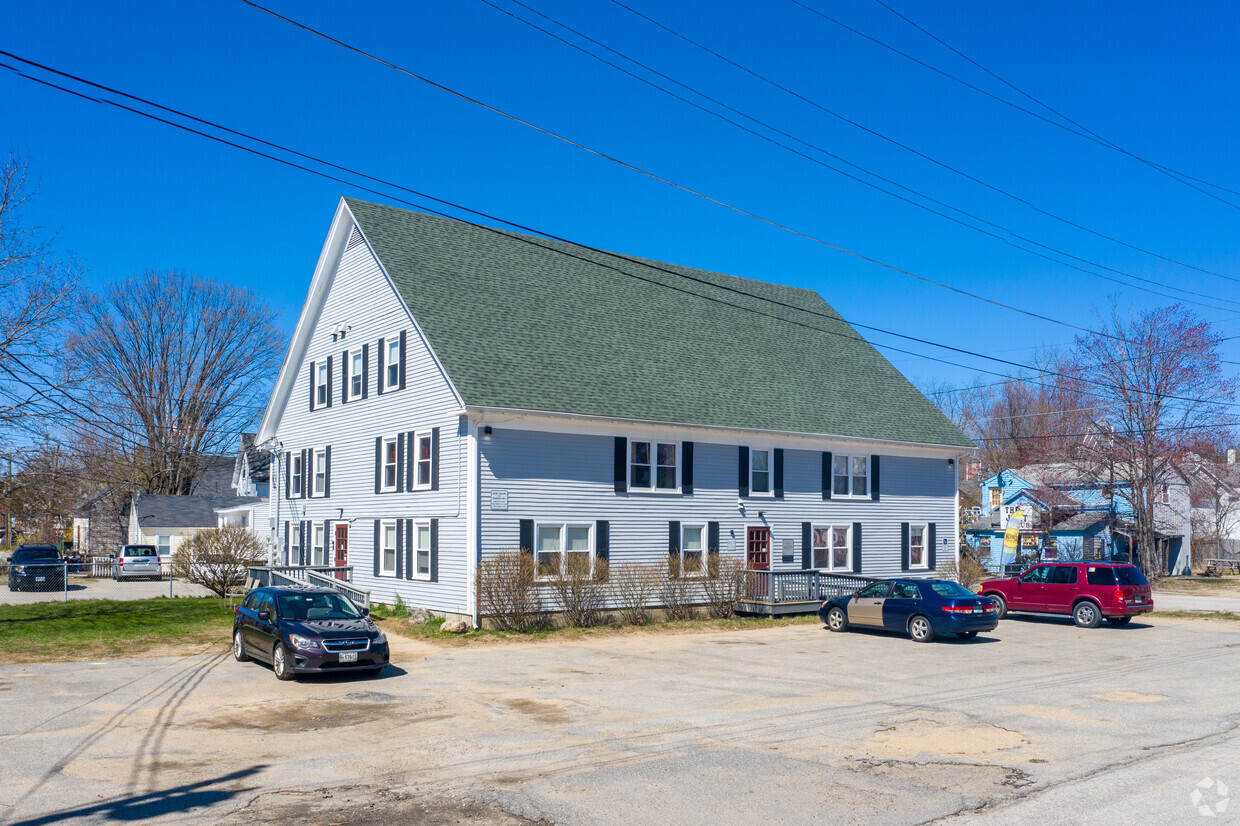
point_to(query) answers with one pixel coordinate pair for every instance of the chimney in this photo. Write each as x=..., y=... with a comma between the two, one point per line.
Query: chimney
x=1231, y=455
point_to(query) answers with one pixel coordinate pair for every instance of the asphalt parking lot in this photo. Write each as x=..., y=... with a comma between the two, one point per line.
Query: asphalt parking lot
x=105, y=588
x=1039, y=722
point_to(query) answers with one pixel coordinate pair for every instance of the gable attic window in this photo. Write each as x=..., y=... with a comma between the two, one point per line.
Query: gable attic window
x=652, y=465
x=321, y=382
x=356, y=374
x=392, y=365
x=996, y=498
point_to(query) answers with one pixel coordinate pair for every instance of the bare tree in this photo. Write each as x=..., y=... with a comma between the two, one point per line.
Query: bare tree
x=176, y=366
x=1156, y=378
x=1215, y=497
x=218, y=558
x=44, y=493
x=38, y=294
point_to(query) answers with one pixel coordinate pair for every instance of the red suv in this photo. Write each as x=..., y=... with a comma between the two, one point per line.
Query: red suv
x=1089, y=591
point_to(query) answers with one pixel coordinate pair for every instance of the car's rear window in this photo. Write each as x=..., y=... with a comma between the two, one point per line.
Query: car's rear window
x=1129, y=575
x=139, y=550
x=36, y=554
x=951, y=589
x=1100, y=575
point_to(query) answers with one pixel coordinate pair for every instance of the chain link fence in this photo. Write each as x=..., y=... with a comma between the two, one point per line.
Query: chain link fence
x=91, y=578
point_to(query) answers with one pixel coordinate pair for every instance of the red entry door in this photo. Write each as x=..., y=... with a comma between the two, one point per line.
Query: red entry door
x=758, y=549
x=342, y=549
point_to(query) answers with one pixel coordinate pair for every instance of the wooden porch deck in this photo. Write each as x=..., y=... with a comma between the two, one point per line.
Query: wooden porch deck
x=776, y=593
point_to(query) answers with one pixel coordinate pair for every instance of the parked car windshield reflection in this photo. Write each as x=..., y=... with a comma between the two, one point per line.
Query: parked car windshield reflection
x=312, y=607
x=951, y=589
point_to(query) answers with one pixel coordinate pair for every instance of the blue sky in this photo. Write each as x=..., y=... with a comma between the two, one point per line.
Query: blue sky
x=1159, y=80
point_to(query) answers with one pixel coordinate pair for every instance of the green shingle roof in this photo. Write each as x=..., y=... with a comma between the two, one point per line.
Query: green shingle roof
x=526, y=323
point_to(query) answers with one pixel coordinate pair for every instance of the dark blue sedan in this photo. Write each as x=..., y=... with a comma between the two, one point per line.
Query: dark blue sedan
x=921, y=608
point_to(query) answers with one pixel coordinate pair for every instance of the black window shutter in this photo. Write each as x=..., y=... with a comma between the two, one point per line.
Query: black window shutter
x=288, y=474
x=673, y=548
x=620, y=469
x=434, y=458
x=380, y=372
x=807, y=546
x=328, y=555
x=402, y=359
x=686, y=467
x=742, y=473
x=400, y=549
x=903, y=546
x=527, y=537
x=327, y=472
x=305, y=476
x=434, y=550
x=779, y=473
x=311, y=385
x=365, y=370
x=400, y=461
x=411, y=439
x=931, y=544
x=378, y=463
x=344, y=376
x=602, y=543
x=329, y=381
x=826, y=475
x=712, y=540
x=874, y=466
x=856, y=554
x=285, y=543
x=406, y=525
x=378, y=544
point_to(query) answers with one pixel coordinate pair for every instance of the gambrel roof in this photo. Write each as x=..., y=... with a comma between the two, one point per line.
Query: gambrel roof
x=525, y=323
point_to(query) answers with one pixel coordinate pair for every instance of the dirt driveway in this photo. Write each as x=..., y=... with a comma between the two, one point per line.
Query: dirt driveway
x=787, y=725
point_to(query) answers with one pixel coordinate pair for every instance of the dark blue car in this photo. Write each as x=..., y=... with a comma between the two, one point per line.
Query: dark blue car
x=921, y=608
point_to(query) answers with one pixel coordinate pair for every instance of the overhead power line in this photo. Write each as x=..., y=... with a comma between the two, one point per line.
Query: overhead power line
x=848, y=163
x=653, y=176
x=834, y=319
x=954, y=170
x=1180, y=176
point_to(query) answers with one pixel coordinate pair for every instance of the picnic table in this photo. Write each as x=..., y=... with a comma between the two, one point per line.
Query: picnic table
x=1218, y=567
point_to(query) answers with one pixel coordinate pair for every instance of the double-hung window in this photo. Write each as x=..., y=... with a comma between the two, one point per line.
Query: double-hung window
x=295, y=476
x=320, y=536
x=653, y=465
x=833, y=547
x=391, y=362
x=357, y=373
x=564, y=548
x=294, y=543
x=692, y=549
x=422, y=550
x=423, y=457
x=996, y=498
x=917, y=557
x=387, y=559
x=163, y=545
x=850, y=476
x=320, y=473
x=759, y=472
x=321, y=382
x=390, y=463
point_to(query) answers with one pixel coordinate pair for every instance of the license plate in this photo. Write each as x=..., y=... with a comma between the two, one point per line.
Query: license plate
x=1139, y=599
x=348, y=656
x=40, y=579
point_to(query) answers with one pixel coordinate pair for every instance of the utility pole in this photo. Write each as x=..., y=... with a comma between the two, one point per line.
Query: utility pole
x=8, y=490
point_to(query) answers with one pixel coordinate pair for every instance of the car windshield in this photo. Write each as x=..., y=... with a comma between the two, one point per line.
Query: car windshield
x=1129, y=575
x=311, y=607
x=36, y=555
x=951, y=589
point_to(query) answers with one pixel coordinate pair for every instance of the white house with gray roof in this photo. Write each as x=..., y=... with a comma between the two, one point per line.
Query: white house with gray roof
x=453, y=391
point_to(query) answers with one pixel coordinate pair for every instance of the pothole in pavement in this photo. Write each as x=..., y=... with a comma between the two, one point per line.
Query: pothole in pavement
x=292, y=716
x=927, y=739
x=361, y=806
x=969, y=779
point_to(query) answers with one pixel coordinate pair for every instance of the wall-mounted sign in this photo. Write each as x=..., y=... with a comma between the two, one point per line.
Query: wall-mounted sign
x=499, y=500
x=1026, y=515
x=1029, y=540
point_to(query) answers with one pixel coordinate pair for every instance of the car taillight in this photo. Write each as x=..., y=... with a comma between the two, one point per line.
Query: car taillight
x=958, y=609
x=1118, y=595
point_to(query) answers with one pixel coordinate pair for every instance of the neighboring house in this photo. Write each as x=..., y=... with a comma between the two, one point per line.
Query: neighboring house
x=1089, y=518
x=252, y=469
x=454, y=391
x=1215, y=489
x=166, y=521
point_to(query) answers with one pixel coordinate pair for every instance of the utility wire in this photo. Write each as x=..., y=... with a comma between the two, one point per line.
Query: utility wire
x=625, y=259
x=1006, y=102
x=845, y=161
x=655, y=177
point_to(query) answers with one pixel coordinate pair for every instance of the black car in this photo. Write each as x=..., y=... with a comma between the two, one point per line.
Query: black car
x=921, y=608
x=307, y=631
x=36, y=566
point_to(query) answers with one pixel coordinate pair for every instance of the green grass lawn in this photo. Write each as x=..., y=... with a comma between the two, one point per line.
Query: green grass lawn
x=106, y=629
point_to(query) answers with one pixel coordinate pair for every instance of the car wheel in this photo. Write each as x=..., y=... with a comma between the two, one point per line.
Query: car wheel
x=279, y=664
x=1000, y=606
x=239, y=648
x=1119, y=621
x=12, y=585
x=920, y=629
x=1086, y=614
x=966, y=635
x=837, y=620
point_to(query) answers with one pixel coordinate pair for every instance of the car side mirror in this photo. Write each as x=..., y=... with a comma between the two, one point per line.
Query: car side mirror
x=365, y=611
x=264, y=615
